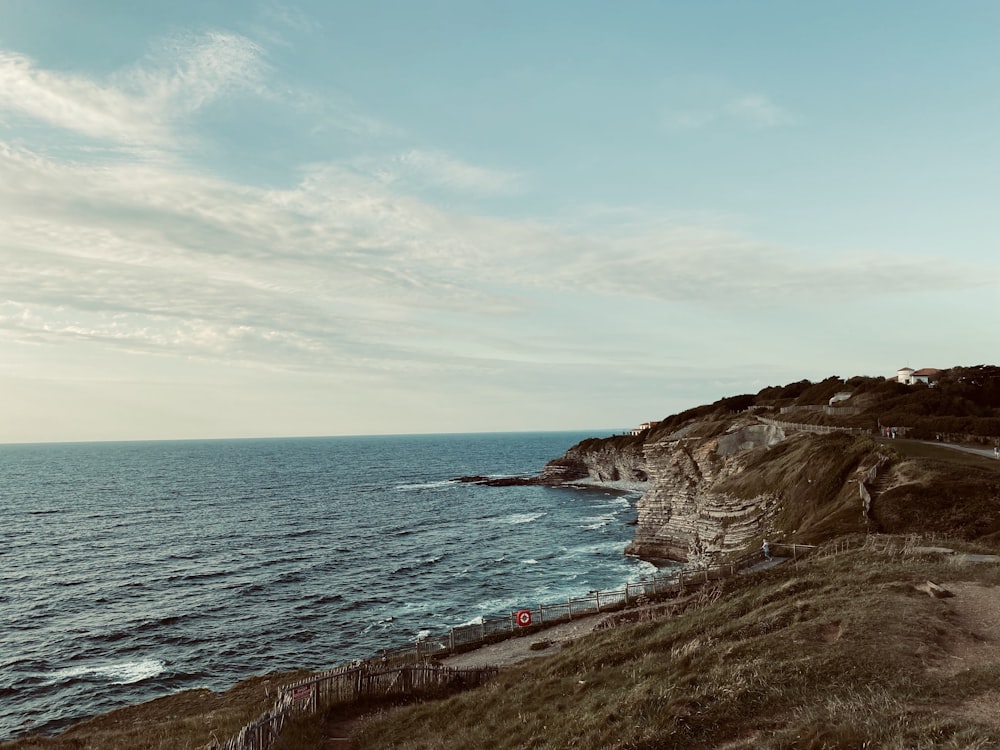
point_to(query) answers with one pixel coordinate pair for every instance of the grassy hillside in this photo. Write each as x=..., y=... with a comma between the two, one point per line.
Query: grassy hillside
x=185, y=720
x=964, y=401
x=840, y=651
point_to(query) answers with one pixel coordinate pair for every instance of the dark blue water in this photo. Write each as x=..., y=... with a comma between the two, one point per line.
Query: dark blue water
x=133, y=570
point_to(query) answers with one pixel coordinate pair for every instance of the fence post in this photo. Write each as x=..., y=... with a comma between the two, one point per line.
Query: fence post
x=569, y=607
x=597, y=596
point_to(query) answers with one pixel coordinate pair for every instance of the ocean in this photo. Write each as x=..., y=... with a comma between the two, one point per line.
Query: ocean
x=134, y=570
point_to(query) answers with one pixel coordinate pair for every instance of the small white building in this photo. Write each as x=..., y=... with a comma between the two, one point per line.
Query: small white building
x=643, y=427
x=928, y=375
x=909, y=376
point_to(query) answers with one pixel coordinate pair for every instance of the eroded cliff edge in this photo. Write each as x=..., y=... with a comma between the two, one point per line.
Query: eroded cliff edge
x=720, y=484
x=684, y=516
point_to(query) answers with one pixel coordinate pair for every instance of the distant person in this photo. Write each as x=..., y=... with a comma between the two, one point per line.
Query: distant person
x=767, y=550
x=996, y=452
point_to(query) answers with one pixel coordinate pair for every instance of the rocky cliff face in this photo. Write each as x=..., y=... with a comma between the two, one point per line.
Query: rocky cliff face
x=682, y=516
x=617, y=463
x=720, y=483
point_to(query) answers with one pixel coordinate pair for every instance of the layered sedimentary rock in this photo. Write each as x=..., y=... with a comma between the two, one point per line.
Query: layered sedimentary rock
x=682, y=517
x=614, y=463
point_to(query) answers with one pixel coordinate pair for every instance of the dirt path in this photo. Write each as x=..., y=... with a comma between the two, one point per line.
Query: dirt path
x=514, y=650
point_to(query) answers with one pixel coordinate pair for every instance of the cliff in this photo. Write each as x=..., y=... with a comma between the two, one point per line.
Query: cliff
x=617, y=463
x=683, y=516
x=721, y=483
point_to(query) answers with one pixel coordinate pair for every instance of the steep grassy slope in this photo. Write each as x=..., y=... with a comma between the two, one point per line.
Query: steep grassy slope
x=841, y=651
x=816, y=478
x=186, y=720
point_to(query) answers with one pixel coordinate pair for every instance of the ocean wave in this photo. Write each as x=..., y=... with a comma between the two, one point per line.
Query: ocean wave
x=384, y=624
x=413, y=567
x=118, y=673
x=593, y=523
x=516, y=519
x=443, y=484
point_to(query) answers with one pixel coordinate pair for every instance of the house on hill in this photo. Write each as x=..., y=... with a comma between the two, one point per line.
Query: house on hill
x=643, y=427
x=925, y=375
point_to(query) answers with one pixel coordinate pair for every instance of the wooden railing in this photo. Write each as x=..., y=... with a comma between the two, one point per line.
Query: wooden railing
x=821, y=428
x=350, y=684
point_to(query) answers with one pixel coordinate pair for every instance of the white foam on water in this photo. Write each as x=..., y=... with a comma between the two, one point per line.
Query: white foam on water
x=530, y=561
x=119, y=673
x=619, y=502
x=439, y=485
x=593, y=523
x=519, y=518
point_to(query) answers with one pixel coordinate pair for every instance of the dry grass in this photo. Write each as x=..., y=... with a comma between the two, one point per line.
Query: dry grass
x=836, y=652
x=183, y=721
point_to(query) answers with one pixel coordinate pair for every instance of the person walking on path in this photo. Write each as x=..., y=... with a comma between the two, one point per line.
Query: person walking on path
x=766, y=547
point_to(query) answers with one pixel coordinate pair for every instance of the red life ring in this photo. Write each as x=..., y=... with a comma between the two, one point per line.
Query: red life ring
x=523, y=618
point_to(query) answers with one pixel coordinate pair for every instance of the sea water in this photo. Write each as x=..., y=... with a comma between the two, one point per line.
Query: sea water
x=130, y=571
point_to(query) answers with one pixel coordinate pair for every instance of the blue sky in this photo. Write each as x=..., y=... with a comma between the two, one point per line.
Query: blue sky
x=228, y=219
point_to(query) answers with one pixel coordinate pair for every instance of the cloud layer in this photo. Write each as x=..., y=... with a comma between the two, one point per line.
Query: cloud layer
x=358, y=265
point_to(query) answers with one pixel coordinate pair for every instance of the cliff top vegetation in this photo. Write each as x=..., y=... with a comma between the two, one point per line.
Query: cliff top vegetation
x=963, y=401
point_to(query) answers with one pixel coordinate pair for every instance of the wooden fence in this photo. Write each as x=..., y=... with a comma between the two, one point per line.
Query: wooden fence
x=345, y=685
x=408, y=671
x=821, y=428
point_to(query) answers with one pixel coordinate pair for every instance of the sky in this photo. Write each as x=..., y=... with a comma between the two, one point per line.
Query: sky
x=231, y=218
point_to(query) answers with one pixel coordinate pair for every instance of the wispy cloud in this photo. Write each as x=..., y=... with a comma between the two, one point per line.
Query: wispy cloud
x=748, y=110
x=758, y=111
x=141, y=106
x=344, y=270
x=352, y=266
x=424, y=168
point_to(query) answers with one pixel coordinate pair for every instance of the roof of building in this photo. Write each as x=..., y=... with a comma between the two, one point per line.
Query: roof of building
x=928, y=371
